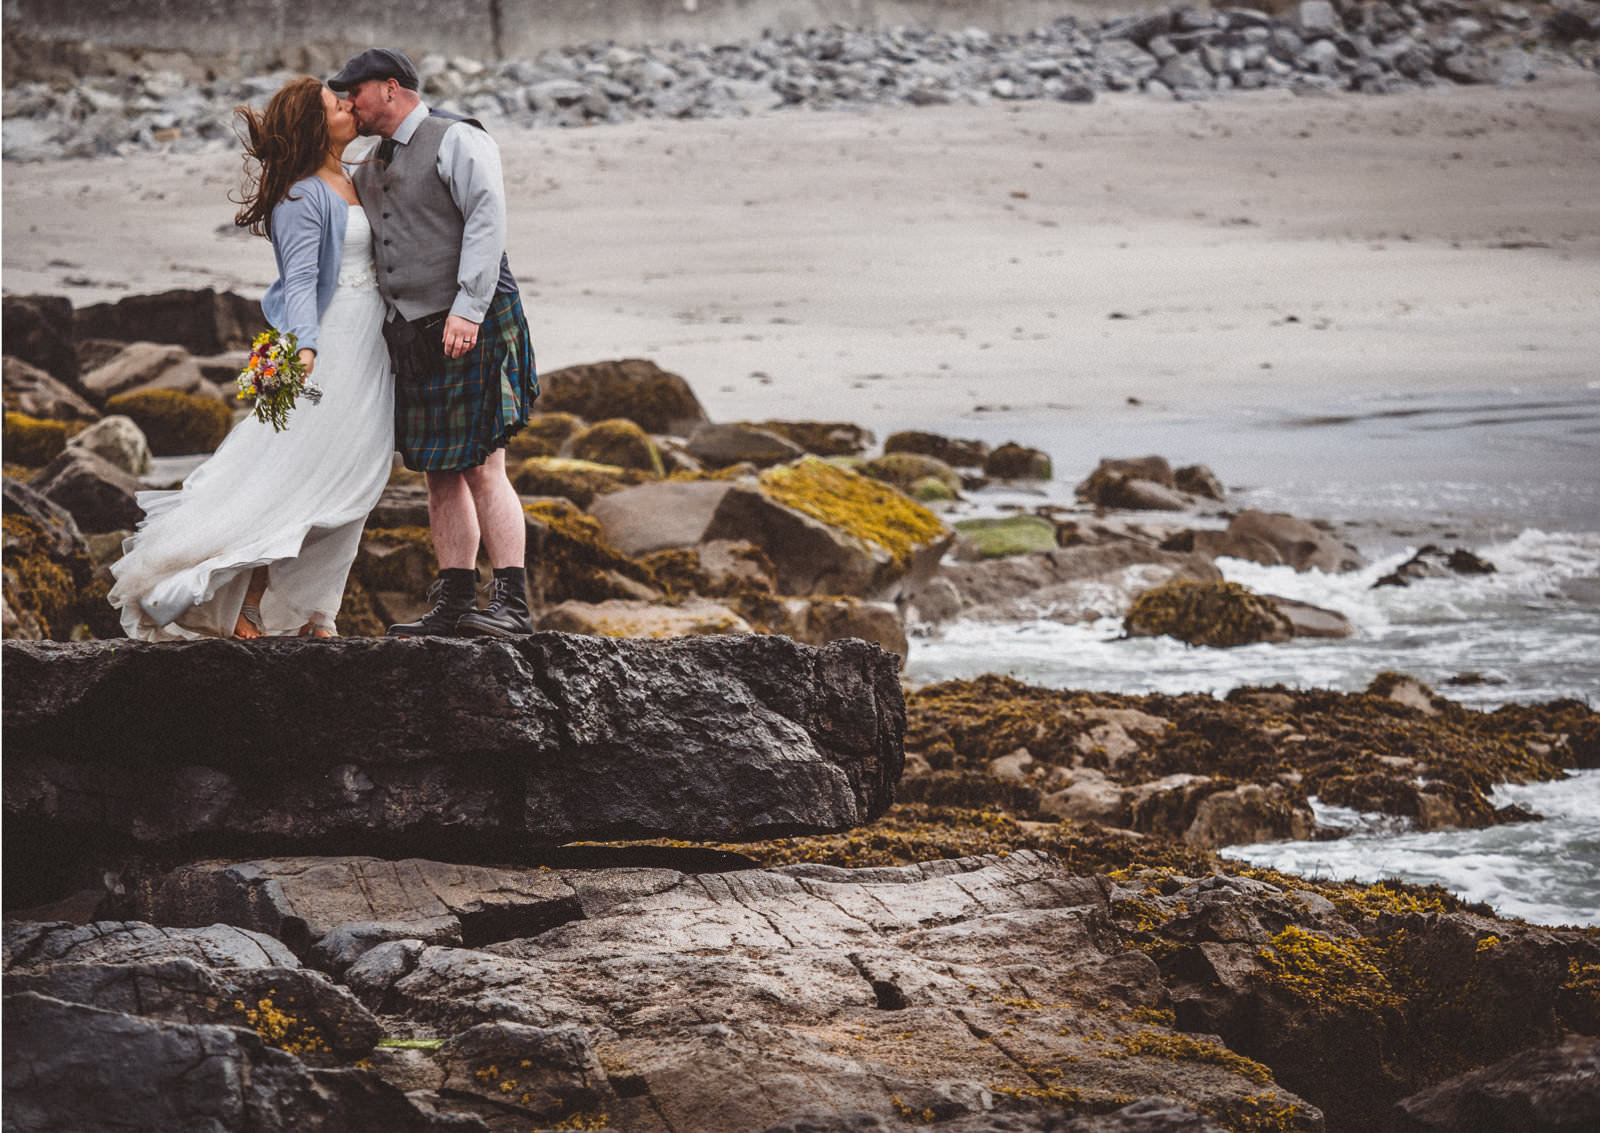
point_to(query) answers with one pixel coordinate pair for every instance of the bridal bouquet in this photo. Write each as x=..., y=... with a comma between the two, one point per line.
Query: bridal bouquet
x=274, y=378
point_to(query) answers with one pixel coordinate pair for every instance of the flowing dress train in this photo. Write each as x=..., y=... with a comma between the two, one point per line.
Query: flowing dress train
x=294, y=501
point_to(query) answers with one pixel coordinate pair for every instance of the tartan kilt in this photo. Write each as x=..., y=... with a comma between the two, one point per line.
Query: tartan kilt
x=459, y=415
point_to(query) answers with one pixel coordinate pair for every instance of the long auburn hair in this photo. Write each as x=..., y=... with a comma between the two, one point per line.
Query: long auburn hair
x=282, y=144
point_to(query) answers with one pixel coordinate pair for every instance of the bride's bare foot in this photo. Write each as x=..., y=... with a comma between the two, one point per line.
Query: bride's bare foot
x=249, y=624
x=316, y=629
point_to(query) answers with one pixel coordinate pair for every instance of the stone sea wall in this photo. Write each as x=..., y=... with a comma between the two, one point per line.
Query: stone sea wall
x=492, y=29
x=83, y=98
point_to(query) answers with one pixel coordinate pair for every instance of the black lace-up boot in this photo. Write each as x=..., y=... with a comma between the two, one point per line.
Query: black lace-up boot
x=507, y=613
x=454, y=594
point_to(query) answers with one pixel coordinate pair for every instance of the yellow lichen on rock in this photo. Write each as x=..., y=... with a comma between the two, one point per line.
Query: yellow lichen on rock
x=864, y=508
x=173, y=422
x=31, y=442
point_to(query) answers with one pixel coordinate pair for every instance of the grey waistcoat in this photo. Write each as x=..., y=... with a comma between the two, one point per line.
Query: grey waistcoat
x=416, y=227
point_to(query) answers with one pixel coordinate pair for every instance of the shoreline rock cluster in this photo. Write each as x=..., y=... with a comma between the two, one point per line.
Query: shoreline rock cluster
x=73, y=100
x=645, y=518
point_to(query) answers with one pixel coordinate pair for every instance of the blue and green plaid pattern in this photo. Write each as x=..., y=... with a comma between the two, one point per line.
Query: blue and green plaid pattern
x=456, y=418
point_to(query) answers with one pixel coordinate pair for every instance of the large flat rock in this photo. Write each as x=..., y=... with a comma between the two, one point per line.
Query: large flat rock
x=415, y=745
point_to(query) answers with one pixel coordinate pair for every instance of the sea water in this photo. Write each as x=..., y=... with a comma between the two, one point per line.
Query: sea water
x=1515, y=478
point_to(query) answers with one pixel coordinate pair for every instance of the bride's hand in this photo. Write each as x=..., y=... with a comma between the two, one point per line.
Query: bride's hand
x=308, y=359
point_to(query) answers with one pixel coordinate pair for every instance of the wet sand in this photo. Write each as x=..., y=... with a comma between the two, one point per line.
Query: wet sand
x=928, y=266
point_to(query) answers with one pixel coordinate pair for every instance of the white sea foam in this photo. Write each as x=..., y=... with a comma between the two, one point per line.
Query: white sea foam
x=1543, y=872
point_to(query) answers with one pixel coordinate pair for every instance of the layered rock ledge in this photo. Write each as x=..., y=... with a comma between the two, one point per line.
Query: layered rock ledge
x=379, y=745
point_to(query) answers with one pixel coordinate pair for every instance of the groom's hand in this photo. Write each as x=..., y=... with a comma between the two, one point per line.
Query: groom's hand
x=460, y=336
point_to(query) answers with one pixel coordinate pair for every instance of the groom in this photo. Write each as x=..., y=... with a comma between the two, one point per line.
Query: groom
x=464, y=370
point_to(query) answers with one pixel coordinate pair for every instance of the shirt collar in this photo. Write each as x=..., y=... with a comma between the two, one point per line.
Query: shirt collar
x=408, y=124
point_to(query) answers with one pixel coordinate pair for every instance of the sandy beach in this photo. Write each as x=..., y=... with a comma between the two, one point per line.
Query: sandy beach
x=916, y=266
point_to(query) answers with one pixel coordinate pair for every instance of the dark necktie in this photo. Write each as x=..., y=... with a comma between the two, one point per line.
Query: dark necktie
x=386, y=151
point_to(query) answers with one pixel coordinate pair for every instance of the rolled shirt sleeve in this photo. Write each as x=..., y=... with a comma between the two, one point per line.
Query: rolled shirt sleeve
x=469, y=165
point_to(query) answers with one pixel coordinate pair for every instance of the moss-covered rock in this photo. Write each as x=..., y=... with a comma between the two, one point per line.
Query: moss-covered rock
x=32, y=442
x=652, y=398
x=1222, y=614
x=50, y=585
x=1018, y=462
x=822, y=438
x=954, y=452
x=903, y=469
x=1003, y=536
x=175, y=423
x=569, y=559
x=861, y=507
x=577, y=480
x=544, y=435
x=620, y=443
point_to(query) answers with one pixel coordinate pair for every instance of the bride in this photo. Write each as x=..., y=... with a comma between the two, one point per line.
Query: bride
x=260, y=538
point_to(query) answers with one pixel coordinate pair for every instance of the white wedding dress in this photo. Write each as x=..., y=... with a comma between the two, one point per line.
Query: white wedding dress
x=294, y=501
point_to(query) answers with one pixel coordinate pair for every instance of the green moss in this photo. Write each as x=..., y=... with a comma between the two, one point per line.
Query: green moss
x=396, y=558
x=861, y=507
x=577, y=480
x=1221, y=614
x=173, y=422
x=32, y=442
x=1008, y=535
x=620, y=443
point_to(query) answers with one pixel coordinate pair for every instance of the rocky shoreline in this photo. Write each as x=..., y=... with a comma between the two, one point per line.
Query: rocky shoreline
x=359, y=910
x=76, y=100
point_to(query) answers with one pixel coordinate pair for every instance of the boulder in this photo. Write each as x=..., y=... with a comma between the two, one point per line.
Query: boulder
x=581, y=481
x=619, y=617
x=545, y=434
x=641, y=391
x=1198, y=480
x=201, y=321
x=541, y=739
x=826, y=530
x=148, y=365
x=1017, y=462
x=721, y=446
x=817, y=621
x=30, y=442
x=174, y=422
x=100, y=495
x=38, y=330
x=822, y=438
x=654, y=517
x=33, y=391
x=118, y=441
x=1068, y=584
x=1271, y=538
x=68, y=1066
x=1219, y=614
x=905, y=469
x=617, y=442
x=1431, y=561
x=956, y=453
x=1541, y=1091
x=996, y=538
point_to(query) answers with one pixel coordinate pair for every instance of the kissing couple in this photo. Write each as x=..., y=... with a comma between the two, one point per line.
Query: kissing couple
x=393, y=278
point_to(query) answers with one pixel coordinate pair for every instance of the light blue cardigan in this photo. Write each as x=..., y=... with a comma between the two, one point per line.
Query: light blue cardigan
x=307, y=241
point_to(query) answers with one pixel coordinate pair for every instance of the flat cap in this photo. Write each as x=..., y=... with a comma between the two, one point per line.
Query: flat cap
x=376, y=63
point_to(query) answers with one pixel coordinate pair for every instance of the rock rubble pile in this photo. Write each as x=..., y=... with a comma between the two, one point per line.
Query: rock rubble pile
x=76, y=101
